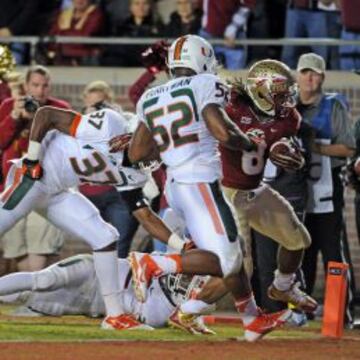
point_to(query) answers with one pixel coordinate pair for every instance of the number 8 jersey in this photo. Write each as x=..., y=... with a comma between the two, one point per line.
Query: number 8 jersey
x=84, y=157
x=173, y=113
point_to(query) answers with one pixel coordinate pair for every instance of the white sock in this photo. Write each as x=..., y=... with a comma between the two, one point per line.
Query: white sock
x=16, y=282
x=106, y=267
x=247, y=309
x=194, y=306
x=282, y=281
x=169, y=263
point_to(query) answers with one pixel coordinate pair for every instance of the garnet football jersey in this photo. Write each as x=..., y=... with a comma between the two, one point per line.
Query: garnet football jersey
x=244, y=169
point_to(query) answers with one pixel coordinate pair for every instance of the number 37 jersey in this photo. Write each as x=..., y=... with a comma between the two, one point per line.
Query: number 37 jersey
x=173, y=114
x=84, y=156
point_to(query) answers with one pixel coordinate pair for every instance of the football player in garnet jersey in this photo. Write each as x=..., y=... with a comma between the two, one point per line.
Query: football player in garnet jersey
x=263, y=108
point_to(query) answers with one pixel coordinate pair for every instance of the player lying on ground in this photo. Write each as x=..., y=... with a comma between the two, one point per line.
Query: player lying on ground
x=70, y=287
x=66, y=150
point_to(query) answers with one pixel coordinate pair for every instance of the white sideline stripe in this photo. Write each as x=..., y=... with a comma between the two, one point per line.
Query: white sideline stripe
x=315, y=337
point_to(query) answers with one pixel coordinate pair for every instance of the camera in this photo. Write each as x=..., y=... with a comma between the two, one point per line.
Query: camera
x=30, y=104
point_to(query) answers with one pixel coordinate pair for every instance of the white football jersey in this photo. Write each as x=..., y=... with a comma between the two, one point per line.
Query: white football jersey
x=173, y=113
x=69, y=161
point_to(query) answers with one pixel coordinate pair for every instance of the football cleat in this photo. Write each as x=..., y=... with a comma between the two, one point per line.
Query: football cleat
x=123, y=322
x=143, y=269
x=265, y=323
x=190, y=323
x=201, y=328
x=294, y=296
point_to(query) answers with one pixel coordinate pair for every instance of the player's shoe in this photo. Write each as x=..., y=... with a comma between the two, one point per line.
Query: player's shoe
x=123, y=322
x=201, y=328
x=265, y=323
x=190, y=323
x=294, y=296
x=143, y=269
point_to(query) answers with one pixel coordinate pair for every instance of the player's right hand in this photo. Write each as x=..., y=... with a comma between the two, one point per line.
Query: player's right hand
x=32, y=169
x=119, y=142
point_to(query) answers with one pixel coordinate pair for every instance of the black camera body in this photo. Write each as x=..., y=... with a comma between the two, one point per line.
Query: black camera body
x=30, y=104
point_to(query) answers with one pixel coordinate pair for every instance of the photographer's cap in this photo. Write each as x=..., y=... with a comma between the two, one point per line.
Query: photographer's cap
x=311, y=61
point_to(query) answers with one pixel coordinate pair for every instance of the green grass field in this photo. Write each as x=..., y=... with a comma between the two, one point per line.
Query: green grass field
x=78, y=328
x=77, y=337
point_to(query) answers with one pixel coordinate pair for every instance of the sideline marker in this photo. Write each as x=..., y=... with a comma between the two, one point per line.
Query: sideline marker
x=335, y=298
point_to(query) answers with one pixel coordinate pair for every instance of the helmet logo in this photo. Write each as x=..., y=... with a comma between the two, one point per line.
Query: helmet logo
x=178, y=48
x=203, y=51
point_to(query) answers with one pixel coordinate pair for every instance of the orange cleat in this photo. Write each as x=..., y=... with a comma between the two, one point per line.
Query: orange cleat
x=123, y=322
x=143, y=269
x=265, y=323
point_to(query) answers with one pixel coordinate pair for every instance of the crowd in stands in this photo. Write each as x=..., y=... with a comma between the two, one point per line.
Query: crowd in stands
x=229, y=20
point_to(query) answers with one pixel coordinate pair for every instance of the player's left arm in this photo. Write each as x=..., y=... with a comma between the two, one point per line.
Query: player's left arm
x=46, y=118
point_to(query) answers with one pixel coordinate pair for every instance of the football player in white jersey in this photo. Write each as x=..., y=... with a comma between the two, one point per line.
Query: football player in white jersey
x=65, y=150
x=183, y=121
x=70, y=287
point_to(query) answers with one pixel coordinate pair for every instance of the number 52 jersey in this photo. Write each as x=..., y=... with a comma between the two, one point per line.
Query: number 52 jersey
x=84, y=157
x=173, y=114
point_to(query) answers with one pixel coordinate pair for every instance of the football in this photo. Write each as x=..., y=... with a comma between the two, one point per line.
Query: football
x=286, y=154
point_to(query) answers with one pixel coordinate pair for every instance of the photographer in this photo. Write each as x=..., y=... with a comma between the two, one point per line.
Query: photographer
x=16, y=116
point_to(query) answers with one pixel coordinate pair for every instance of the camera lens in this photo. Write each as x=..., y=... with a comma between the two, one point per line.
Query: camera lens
x=31, y=105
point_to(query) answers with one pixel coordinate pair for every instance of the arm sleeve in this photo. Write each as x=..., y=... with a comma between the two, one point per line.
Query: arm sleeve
x=140, y=85
x=341, y=125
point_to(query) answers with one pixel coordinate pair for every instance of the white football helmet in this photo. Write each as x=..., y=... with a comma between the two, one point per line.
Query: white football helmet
x=271, y=86
x=193, y=52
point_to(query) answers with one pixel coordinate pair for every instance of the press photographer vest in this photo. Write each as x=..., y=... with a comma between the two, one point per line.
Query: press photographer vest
x=320, y=181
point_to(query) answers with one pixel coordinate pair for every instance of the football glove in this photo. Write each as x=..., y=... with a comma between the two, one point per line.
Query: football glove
x=119, y=142
x=154, y=57
x=292, y=162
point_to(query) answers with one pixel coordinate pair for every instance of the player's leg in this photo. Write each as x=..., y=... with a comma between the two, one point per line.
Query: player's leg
x=240, y=214
x=278, y=221
x=73, y=213
x=208, y=231
x=212, y=227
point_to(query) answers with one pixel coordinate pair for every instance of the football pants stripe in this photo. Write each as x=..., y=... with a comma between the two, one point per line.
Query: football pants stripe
x=212, y=208
x=225, y=212
x=7, y=192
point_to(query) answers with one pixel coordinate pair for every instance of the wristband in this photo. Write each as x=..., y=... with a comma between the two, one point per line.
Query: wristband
x=34, y=149
x=176, y=242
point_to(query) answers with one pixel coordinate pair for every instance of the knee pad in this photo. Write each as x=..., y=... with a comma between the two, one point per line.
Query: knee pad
x=231, y=264
x=104, y=235
x=46, y=280
x=97, y=233
x=300, y=239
